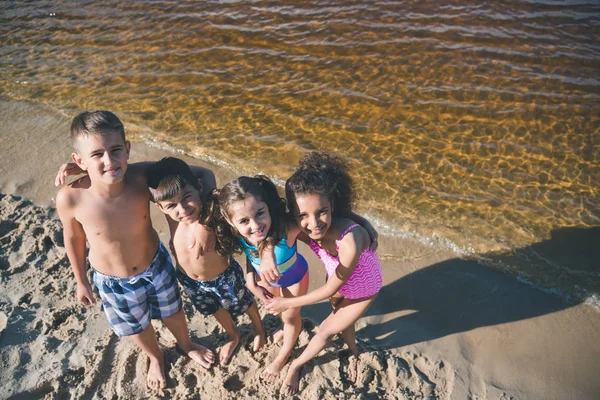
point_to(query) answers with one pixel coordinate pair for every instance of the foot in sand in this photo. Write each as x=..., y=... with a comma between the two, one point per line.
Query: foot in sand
x=226, y=351
x=156, y=379
x=277, y=336
x=271, y=371
x=291, y=382
x=202, y=355
x=258, y=342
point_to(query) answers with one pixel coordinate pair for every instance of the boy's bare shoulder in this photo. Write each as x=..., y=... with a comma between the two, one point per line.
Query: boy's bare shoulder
x=69, y=195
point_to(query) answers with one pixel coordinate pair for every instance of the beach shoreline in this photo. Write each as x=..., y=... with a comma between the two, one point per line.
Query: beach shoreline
x=442, y=327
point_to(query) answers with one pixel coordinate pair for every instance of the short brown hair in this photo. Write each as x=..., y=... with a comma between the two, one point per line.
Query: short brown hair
x=95, y=123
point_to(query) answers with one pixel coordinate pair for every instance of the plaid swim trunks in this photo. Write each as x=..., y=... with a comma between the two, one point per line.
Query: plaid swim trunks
x=227, y=290
x=130, y=303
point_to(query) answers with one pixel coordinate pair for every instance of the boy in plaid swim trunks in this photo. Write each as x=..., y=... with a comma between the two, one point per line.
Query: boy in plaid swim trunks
x=215, y=281
x=110, y=209
x=130, y=303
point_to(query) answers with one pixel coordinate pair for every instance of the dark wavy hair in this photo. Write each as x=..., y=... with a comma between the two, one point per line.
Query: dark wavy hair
x=168, y=177
x=263, y=189
x=325, y=174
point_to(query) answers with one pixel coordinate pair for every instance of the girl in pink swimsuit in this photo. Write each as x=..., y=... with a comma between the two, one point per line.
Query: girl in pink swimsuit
x=319, y=194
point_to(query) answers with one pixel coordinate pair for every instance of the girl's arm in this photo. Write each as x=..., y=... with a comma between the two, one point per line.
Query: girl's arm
x=268, y=262
x=257, y=290
x=268, y=266
x=349, y=252
x=292, y=230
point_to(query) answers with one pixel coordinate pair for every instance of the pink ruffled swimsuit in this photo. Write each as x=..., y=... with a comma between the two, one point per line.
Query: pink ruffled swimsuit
x=366, y=279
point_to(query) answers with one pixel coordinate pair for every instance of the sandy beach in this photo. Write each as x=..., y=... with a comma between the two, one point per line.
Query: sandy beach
x=442, y=328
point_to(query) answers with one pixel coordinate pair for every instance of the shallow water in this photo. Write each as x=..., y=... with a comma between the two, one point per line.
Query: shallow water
x=472, y=125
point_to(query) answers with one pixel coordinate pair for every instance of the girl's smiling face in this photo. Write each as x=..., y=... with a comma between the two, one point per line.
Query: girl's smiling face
x=313, y=214
x=251, y=218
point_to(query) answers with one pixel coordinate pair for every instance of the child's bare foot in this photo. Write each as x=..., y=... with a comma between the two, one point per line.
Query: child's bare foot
x=291, y=381
x=226, y=351
x=259, y=342
x=156, y=379
x=202, y=355
x=271, y=371
x=277, y=336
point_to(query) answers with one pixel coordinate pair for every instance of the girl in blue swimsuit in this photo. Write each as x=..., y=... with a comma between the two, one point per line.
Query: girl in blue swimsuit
x=251, y=217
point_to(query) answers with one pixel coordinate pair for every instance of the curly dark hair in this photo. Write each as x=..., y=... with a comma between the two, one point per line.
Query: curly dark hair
x=325, y=174
x=262, y=188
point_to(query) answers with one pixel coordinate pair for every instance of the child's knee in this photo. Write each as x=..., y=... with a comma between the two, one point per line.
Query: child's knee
x=292, y=317
x=326, y=333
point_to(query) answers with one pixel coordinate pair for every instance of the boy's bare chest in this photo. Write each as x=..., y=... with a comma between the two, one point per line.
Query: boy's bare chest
x=114, y=218
x=202, y=267
x=182, y=238
x=185, y=244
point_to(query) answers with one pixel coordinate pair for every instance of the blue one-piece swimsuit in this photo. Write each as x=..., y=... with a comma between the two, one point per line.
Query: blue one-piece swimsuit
x=290, y=263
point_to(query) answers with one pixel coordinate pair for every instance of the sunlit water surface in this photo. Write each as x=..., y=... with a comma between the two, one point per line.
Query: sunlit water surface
x=468, y=124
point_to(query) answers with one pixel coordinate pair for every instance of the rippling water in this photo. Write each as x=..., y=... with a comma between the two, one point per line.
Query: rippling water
x=472, y=124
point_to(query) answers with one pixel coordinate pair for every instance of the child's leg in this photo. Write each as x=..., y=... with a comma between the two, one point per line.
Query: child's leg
x=347, y=313
x=350, y=339
x=226, y=351
x=177, y=324
x=292, y=325
x=146, y=340
x=259, y=331
x=278, y=334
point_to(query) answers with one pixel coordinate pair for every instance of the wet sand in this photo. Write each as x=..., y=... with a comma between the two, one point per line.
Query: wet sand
x=442, y=327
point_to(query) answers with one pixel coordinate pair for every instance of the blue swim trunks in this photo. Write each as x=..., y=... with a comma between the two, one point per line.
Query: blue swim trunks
x=227, y=290
x=130, y=303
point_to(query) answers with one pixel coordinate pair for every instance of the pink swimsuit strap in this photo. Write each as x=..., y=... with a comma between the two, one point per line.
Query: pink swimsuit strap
x=348, y=229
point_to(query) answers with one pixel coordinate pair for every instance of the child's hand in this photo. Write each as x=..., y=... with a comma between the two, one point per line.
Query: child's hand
x=276, y=305
x=268, y=267
x=85, y=294
x=68, y=169
x=203, y=240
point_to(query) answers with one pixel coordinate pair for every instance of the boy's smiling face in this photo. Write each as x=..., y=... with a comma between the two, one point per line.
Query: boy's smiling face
x=185, y=207
x=103, y=157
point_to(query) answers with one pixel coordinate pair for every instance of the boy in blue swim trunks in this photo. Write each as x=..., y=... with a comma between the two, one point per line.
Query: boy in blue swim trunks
x=215, y=281
x=109, y=209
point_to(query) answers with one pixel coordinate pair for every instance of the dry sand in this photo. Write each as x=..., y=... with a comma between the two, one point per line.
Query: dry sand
x=442, y=327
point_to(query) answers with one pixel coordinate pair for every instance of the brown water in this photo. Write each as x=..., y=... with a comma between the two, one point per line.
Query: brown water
x=469, y=124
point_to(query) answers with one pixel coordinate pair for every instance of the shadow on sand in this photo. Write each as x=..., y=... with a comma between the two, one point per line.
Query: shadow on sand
x=459, y=295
